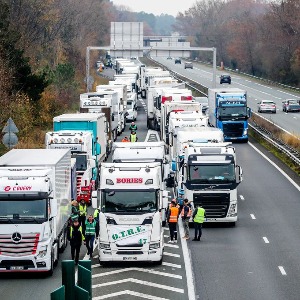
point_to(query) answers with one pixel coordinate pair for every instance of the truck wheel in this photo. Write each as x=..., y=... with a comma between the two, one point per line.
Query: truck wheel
x=103, y=263
x=65, y=241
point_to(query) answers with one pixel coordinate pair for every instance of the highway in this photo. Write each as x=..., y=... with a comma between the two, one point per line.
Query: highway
x=256, y=90
x=256, y=259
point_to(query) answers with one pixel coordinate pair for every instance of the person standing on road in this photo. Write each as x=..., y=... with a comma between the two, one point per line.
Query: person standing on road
x=172, y=219
x=82, y=215
x=90, y=231
x=96, y=218
x=133, y=127
x=133, y=137
x=75, y=237
x=199, y=216
x=186, y=213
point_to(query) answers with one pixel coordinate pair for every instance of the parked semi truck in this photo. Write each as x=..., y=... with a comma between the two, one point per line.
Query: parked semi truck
x=97, y=102
x=81, y=145
x=209, y=175
x=94, y=123
x=131, y=203
x=121, y=89
x=35, y=202
x=228, y=111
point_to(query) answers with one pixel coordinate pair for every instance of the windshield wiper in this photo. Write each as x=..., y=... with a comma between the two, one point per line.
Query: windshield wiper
x=6, y=219
x=29, y=219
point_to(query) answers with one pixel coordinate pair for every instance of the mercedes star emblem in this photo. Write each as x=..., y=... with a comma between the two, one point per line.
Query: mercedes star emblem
x=16, y=237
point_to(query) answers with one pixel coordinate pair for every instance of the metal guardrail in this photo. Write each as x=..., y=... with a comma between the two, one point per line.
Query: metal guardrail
x=268, y=136
x=292, y=153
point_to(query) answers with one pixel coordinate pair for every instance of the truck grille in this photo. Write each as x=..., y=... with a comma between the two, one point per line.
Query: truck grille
x=78, y=183
x=27, y=245
x=215, y=205
x=129, y=252
x=233, y=129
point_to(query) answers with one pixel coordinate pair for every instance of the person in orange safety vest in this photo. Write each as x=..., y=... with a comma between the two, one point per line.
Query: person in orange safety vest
x=172, y=219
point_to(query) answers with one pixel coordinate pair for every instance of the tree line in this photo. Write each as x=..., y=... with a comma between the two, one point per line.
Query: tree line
x=259, y=37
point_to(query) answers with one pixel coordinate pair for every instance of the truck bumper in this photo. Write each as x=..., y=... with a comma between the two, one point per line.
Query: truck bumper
x=221, y=220
x=11, y=264
x=153, y=255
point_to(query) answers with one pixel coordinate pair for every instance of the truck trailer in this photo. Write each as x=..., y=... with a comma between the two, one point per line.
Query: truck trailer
x=35, y=201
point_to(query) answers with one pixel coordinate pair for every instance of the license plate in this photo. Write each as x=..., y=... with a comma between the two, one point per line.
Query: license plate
x=17, y=268
x=130, y=258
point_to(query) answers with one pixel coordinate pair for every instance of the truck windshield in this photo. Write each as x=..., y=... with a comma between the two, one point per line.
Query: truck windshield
x=212, y=173
x=229, y=112
x=23, y=211
x=130, y=201
x=81, y=161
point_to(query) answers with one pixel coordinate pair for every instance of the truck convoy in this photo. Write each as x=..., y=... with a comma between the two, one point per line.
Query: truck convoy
x=133, y=201
x=35, y=198
x=228, y=111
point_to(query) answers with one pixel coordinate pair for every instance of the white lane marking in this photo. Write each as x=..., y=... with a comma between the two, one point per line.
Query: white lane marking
x=171, y=254
x=139, y=270
x=96, y=266
x=171, y=246
x=142, y=282
x=258, y=91
x=188, y=265
x=166, y=236
x=171, y=265
x=252, y=217
x=274, y=165
x=128, y=292
x=282, y=270
x=242, y=197
x=286, y=93
x=266, y=240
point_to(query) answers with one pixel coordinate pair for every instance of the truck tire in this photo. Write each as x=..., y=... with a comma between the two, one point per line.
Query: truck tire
x=103, y=263
x=65, y=240
x=50, y=272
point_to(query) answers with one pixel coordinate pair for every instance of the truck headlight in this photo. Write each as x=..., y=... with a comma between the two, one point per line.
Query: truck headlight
x=42, y=252
x=104, y=246
x=245, y=132
x=155, y=245
x=232, y=210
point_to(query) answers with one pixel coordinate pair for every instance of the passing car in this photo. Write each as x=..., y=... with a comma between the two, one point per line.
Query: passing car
x=177, y=61
x=225, y=78
x=188, y=65
x=266, y=106
x=289, y=105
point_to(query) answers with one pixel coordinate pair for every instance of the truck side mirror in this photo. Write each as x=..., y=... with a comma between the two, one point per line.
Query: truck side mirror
x=165, y=199
x=98, y=149
x=95, y=199
x=93, y=162
x=53, y=204
x=249, y=112
x=239, y=174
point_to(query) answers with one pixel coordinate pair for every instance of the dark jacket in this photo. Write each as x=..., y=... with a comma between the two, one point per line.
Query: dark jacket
x=75, y=235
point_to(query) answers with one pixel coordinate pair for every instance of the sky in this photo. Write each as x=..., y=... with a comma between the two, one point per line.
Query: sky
x=157, y=7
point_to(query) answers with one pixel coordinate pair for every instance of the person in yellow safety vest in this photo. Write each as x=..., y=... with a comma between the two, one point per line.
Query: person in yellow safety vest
x=172, y=219
x=133, y=137
x=82, y=215
x=199, y=216
x=186, y=213
x=76, y=238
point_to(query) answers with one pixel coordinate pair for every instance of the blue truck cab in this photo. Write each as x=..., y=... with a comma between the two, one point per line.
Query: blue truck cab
x=228, y=111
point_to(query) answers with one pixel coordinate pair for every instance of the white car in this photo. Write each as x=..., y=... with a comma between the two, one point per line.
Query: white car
x=266, y=106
